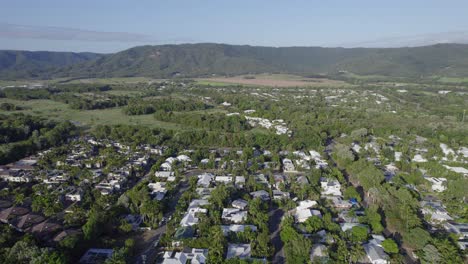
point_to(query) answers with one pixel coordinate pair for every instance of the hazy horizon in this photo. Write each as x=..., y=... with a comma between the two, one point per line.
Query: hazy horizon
x=106, y=27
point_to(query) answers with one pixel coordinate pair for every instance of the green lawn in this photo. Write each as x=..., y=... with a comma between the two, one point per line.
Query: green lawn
x=213, y=83
x=453, y=79
x=60, y=111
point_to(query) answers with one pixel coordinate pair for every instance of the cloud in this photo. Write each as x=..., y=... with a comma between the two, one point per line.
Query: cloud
x=61, y=33
x=460, y=37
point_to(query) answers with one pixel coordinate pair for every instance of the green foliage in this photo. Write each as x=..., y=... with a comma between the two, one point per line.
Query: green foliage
x=217, y=245
x=357, y=234
x=221, y=59
x=144, y=107
x=22, y=135
x=390, y=246
x=351, y=192
x=416, y=238
x=9, y=107
x=430, y=254
x=296, y=246
x=313, y=224
x=373, y=218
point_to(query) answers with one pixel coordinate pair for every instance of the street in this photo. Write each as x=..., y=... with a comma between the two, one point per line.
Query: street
x=274, y=223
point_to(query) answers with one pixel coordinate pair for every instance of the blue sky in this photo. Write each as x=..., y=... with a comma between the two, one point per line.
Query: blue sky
x=113, y=25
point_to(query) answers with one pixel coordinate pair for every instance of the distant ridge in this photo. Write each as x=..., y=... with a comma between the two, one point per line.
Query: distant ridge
x=37, y=64
x=192, y=60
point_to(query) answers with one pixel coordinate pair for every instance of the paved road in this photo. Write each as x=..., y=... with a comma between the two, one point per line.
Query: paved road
x=149, y=255
x=275, y=215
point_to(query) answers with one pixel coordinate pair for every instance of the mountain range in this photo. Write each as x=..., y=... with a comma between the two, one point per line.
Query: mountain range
x=193, y=60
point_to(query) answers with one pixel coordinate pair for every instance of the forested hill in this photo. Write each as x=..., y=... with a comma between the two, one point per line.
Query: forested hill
x=30, y=64
x=191, y=60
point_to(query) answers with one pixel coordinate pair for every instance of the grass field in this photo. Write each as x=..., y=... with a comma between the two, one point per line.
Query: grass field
x=113, y=80
x=453, y=79
x=124, y=92
x=273, y=80
x=60, y=111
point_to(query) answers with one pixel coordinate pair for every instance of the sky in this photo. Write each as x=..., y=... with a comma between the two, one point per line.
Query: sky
x=107, y=26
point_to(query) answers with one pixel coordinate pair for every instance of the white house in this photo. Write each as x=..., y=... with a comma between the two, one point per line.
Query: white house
x=158, y=190
x=338, y=202
x=190, y=218
x=205, y=180
x=330, y=187
x=240, y=181
x=438, y=184
x=262, y=194
x=302, y=214
x=166, y=166
x=307, y=204
x=164, y=174
x=224, y=179
x=374, y=251
x=240, y=204
x=278, y=195
x=288, y=165
x=74, y=196
x=436, y=210
x=196, y=256
x=241, y=251
x=234, y=215
x=419, y=158
x=237, y=228
x=184, y=158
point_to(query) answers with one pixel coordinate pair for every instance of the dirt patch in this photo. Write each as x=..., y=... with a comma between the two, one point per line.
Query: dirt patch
x=277, y=82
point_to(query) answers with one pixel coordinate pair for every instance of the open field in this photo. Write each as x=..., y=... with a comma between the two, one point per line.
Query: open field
x=275, y=80
x=453, y=79
x=60, y=111
x=112, y=80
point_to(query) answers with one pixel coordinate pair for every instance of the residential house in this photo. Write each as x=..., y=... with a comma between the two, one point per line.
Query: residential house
x=260, y=178
x=438, y=184
x=279, y=195
x=195, y=256
x=205, y=180
x=240, y=204
x=318, y=252
x=237, y=228
x=158, y=190
x=279, y=180
x=288, y=165
x=330, y=187
x=204, y=193
x=435, y=210
x=224, y=179
x=241, y=251
x=460, y=230
x=339, y=203
x=74, y=196
x=348, y=226
x=190, y=218
x=240, y=182
x=234, y=215
x=164, y=174
x=374, y=251
x=302, y=180
x=262, y=194
x=302, y=214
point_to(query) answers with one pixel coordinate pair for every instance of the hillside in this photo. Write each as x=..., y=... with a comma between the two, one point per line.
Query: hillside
x=31, y=64
x=191, y=60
